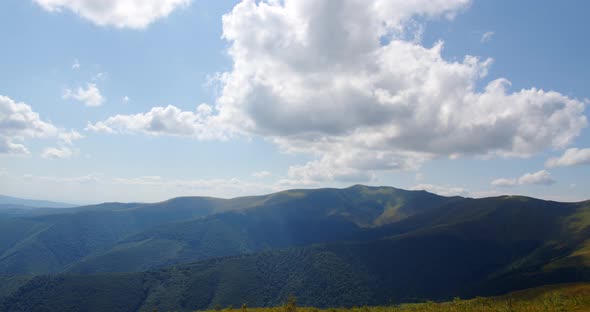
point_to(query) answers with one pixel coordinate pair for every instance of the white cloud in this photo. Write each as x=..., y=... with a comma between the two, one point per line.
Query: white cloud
x=209, y=187
x=442, y=190
x=542, y=177
x=57, y=153
x=119, y=13
x=503, y=182
x=316, y=77
x=571, y=157
x=69, y=137
x=261, y=174
x=90, y=96
x=18, y=121
x=76, y=64
x=126, y=99
x=487, y=36
x=168, y=120
x=99, y=127
x=89, y=178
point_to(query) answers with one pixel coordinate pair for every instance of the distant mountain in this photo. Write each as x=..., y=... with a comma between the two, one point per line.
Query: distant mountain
x=329, y=247
x=116, y=237
x=31, y=203
x=466, y=248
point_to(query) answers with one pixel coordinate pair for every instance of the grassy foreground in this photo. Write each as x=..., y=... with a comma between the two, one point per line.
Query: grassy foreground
x=565, y=297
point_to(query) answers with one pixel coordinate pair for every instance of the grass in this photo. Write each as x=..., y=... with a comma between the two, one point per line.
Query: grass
x=565, y=297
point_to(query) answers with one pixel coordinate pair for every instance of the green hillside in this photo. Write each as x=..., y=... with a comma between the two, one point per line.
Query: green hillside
x=116, y=237
x=464, y=248
x=291, y=218
x=562, y=297
x=329, y=247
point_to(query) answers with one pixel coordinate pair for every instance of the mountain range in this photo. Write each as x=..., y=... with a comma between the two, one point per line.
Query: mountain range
x=329, y=247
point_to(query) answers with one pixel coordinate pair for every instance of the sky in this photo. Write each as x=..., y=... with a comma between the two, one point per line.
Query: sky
x=147, y=100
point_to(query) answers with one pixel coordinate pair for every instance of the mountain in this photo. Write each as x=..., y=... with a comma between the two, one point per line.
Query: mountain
x=286, y=219
x=116, y=237
x=31, y=203
x=329, y=247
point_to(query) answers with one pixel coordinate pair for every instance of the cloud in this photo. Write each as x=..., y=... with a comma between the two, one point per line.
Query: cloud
x=18, y=121
x=126, y=99
x=99, y=127
x=135, y=14
x=261, y=174
x=69, y=137
x=90, y=96
x=76, y=64
x=487, y=37
x=571, y=157
x=442, y=190
x=57, y=153
x=542, y=177
x=209, y=187
x=338, y=80
x=317, y=81
x=503, y=182
x=168, y=120
x=89, y=178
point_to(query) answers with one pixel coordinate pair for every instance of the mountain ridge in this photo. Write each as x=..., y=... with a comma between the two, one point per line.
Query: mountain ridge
x=353, y=246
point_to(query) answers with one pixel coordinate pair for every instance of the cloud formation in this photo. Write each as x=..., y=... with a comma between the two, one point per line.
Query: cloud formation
x=487, y=36
x=316, y=77
x=168, y=120
x=57, y=152
x=341, y=81
x=261, y=174
x=118, y=13
x=542, y=177
x=18, y=122
x=90, y=96
x=571, y=157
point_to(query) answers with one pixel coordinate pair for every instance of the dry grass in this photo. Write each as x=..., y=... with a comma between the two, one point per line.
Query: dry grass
x=570, y=297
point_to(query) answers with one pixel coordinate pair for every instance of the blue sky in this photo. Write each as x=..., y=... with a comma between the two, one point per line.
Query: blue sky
x=291, y=94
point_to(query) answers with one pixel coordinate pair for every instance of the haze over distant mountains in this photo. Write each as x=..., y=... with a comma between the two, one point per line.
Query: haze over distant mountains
x=15, y=201
x=329, y=247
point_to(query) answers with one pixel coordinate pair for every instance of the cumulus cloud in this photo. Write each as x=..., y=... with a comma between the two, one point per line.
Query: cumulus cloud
x=18, y=121
x=99, y=127
x=442, y=190
x=487, y=36
x=571, y=157
x=339, y=80
x=168, y=120
x=57, y=153
x=542, y=177
x=118, y=13
x=316, y=80
x=69, y=137
x=90, y=96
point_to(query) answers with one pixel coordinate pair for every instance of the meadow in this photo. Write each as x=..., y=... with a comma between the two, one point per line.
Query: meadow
x=565, y=297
